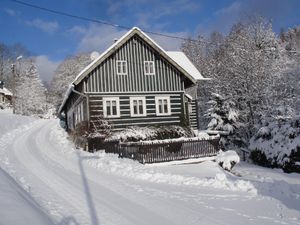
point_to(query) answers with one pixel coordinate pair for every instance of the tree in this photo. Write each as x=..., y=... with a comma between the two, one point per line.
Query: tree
x=205, y=54
x=250, y=67
x=8, y=56
x=65, y=73
x=30, y=92
x=224, y=117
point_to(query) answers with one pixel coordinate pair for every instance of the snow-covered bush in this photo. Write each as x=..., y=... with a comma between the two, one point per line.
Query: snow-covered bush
x=152, y=133
x=277, y=144
x=92, y=134
x=227, y=160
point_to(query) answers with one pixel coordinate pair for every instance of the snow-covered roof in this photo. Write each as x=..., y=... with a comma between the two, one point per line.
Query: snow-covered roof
x=178, y=59
x=67, y=94
x=5, y=91
x=182, y=60
x=189, y=96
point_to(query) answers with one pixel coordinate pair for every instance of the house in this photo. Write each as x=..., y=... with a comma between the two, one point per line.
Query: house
x=5, y=95
x=135, y=82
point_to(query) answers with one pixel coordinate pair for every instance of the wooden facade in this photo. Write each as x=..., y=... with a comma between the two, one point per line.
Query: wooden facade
x=121, y=86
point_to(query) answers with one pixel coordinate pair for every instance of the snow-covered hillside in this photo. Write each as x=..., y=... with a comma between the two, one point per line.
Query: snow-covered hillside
x=63, y=185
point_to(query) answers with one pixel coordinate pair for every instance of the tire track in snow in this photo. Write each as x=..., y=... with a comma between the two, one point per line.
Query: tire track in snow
x=44, y=184
x=28, y=149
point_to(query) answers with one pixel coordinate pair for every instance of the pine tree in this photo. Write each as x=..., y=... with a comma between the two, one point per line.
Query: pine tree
x=30, y=93
x=224, y=117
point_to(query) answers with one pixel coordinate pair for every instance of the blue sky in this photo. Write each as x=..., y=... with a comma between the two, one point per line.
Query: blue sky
x=52, y=37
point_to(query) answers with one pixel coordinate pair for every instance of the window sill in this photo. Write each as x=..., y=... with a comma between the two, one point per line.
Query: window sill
x=163, y=114
x=144, y=115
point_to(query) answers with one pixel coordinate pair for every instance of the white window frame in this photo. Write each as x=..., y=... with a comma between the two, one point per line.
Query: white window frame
x=138, y=98
x=107, y=99
x=157, y=98
x=122, y=66
x=148, y=63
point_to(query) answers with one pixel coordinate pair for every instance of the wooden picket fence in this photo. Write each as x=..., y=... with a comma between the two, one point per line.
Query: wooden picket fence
x=163, y=151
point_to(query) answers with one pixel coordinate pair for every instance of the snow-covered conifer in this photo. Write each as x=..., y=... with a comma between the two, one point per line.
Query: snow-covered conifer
x=30, y=92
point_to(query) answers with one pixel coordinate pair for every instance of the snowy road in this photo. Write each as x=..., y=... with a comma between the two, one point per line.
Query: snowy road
x=72, y=190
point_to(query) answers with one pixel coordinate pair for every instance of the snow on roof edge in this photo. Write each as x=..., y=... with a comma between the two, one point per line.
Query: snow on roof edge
x=182, y=60
x=67, y=94
x=103, y=54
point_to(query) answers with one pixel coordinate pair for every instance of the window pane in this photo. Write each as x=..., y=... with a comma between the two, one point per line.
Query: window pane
x=151, y=68
x=165, y=108
x=160, y=107
x=165, y=103
x=114, y=107
x=141, y=109
x=119, y=67
x=124, y=68
x=114, y=111
x=108, y=112
x=134, y=107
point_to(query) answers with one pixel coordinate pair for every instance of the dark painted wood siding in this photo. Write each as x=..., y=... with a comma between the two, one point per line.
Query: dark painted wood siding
x=135, y=51
x=193, y=115
x=74, y=115
x=125, y=120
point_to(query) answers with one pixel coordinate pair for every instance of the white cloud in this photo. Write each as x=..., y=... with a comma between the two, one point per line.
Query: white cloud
x=233, y=8
x=46, y=26
x=147, y=13
x=46, y=67
x=11, y=12
x=100, y=37
x=80, y=30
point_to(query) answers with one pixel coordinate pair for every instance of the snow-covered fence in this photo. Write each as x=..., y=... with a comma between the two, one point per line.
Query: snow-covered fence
x=112, y=146
x=165, y=150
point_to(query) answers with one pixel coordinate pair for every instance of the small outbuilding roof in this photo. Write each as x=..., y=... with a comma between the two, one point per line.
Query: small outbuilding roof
x=182, y=60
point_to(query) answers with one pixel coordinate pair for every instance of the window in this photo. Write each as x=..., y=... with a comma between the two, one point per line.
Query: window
x=138, y=106
x=78, y=113
x=121, y=67
x=149, y=68
x=111, y=107
x=162, y=106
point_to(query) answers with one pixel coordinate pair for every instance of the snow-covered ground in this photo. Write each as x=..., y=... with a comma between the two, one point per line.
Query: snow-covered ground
x=44, y=178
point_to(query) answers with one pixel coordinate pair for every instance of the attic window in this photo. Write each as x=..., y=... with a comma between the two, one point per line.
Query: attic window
x=121, y=67
x=149, y=68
